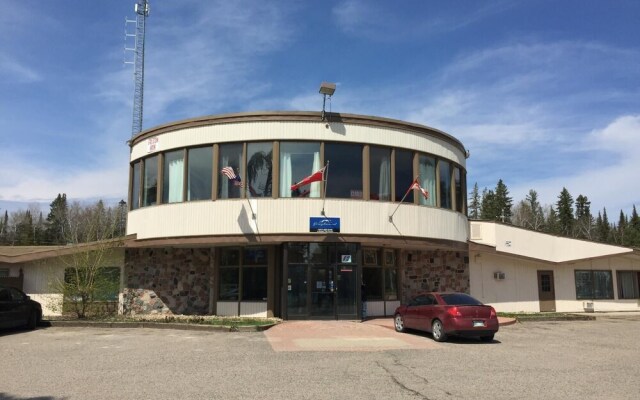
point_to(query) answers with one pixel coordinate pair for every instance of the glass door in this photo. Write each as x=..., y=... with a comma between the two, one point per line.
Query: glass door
x=346, y=291
x=297, y=291
x=323, y=289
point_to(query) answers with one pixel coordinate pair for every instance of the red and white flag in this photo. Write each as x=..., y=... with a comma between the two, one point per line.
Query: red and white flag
x=416, y=186
x=315, y=177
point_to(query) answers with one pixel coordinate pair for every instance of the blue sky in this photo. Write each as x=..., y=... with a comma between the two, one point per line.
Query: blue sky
x=544, y=93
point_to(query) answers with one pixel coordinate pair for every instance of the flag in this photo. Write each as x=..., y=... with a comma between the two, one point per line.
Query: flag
x=228, y=172
x=315, y=177
x=416, y=186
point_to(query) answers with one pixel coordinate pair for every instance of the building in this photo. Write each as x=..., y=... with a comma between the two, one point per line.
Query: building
x=518, y=270
x=205, y=242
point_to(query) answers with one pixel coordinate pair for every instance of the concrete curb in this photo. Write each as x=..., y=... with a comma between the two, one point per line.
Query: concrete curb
x=156, y=325
x=504, y=321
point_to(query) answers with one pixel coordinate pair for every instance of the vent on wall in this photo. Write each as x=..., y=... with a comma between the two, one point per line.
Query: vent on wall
x=499, y=276
x=476, y=232
x=588, y=306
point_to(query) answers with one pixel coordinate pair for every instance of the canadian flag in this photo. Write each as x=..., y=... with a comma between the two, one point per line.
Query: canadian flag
x=416, y=186
x=315, y=177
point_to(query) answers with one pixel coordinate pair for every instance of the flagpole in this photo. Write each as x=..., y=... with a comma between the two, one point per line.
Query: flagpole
x=325, y=181
x=403, y=197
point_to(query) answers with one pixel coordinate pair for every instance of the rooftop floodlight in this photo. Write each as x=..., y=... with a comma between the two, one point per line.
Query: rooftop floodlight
x=326, y=89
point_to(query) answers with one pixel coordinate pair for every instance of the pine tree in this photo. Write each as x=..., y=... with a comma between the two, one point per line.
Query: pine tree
x=552, y=224
x=603, y=227
x=488, y=205
x=474, y=204
x=584, y=219
x=565, y=212
x=57, y=220
x=504, y=203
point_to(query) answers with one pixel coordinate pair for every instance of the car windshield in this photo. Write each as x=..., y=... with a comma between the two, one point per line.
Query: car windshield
x=459, y=299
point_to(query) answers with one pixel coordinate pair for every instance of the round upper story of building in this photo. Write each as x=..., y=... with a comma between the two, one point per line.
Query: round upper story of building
x=366, y=164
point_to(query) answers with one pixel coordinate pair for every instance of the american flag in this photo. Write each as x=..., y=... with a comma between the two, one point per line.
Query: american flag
x=228, y=172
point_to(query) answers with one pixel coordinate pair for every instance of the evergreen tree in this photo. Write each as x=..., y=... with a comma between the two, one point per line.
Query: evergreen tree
x=584, y=219
x=474, y=204
x=602, y=226
x=565, y=212
x=552, y=224
x=488, y=205
x=57, y=220
x=621, y=230
x=504, y=203
x=24, y=229
x=635, y=220
x=633, y=229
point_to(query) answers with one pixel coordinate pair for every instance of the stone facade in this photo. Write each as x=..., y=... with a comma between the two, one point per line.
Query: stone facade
x=167, y=281
x=434, y=271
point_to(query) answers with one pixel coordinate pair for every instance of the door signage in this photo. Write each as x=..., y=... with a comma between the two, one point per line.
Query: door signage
x=324, y=224
x=345, y=258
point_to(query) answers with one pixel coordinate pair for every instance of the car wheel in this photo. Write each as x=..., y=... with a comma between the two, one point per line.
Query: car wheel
x=487, y=339
x=399, y=323
x=33, y=320
x=437, y=331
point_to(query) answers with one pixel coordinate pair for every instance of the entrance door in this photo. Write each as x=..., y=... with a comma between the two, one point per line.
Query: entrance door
x=323, y=292
x=546, y=291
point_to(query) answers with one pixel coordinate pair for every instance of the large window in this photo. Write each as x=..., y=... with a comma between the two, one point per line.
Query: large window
x=230, y=157
x=628, y=284
x=259, y=167
x=248, y=266
x=404, y=175
x=593, y=285
x=150, y=190
x=344, y=179
x=457, y=184
x=427, y=171
x=445, y=184
x=380, y=173
x=173, y=177
x=379, y=275
x=297, y=161
x=199, y=179
x=135, y=185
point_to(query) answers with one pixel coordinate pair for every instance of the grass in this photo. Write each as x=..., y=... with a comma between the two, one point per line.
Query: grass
x=547, y=316
x=179, y=319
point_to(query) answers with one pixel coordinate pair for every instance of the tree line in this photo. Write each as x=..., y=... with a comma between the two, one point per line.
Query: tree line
x=566, y=217
x=64, y=224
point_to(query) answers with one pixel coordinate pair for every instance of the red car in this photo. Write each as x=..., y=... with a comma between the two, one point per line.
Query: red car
x=445, y=314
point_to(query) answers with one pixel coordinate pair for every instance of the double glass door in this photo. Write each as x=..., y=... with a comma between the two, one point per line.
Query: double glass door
x=322, y=290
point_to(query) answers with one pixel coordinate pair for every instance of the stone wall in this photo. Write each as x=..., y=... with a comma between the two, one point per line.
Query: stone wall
x=167, y=281
x=434, y=271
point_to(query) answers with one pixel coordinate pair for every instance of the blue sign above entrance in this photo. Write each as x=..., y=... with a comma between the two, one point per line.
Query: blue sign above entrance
x=324, y=224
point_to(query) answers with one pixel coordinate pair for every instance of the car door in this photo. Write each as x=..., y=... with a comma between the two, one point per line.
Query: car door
x=7, y=309
x=426, y=312
x=19, y=306
x=411, y=316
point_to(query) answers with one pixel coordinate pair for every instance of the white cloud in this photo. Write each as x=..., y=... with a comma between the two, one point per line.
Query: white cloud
x=13, y=71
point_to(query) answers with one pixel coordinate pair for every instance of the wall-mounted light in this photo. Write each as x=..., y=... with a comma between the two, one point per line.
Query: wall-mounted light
x=326, y=89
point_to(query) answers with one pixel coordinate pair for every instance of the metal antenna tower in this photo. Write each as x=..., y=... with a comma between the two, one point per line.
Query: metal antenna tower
x=142, y=12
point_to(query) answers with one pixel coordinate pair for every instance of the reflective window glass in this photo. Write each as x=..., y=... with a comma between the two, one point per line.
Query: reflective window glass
x=457, y=184
x=372, y=284
x=427, y=172
x=228, y=288
x=150, y=193
x=445, y=184
x=298, y=160
x=344, y=176
x=199, y=171
x=173, y=177
x=254, y=283
x=135, y=185
x=404, y=175
x=380, y=173
x=259, y=166
x=230, y=156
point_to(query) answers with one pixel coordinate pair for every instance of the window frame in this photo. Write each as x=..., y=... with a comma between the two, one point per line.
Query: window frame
x=592, y=285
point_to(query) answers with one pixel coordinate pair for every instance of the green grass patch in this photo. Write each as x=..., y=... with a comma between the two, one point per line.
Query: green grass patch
x=547, y=316
x=180, y=319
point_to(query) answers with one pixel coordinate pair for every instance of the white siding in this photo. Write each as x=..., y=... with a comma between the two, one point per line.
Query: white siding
x=253, y=309
x=291, y=216
x=227, y=309
x=375, y=308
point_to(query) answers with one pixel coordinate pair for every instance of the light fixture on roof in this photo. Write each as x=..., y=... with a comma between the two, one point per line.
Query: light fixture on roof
x=326, y=89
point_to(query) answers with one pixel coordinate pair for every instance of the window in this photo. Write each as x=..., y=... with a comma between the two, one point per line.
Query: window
x=199, y=173
x=445, y=184
x=297, y=161
x=459, y=299
x=230, y=156
x=380, y=282
x=593, y=285
x=380, y=173
x=404, y=175
x=250, y=269
x=4, y=272
x=344, y=179
x=628, y=284
x=457, y=184
x=259, y=166
x=173, y=177
x=135, y=186
x=150, y=193
x=427, y=171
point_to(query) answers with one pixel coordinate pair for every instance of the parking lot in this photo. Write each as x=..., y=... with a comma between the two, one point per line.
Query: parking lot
x=542, y=360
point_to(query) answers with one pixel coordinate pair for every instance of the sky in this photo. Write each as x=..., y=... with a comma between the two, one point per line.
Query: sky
x=544, y=94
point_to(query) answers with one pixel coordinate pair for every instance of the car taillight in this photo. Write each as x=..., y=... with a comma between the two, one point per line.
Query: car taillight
x=493, y=313
x=453, y=311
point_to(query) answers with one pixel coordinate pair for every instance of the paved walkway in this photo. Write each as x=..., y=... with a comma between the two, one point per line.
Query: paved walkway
x=372, y=335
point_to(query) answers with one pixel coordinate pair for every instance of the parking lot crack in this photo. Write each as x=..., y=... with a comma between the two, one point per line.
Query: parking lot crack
x=395, y=380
